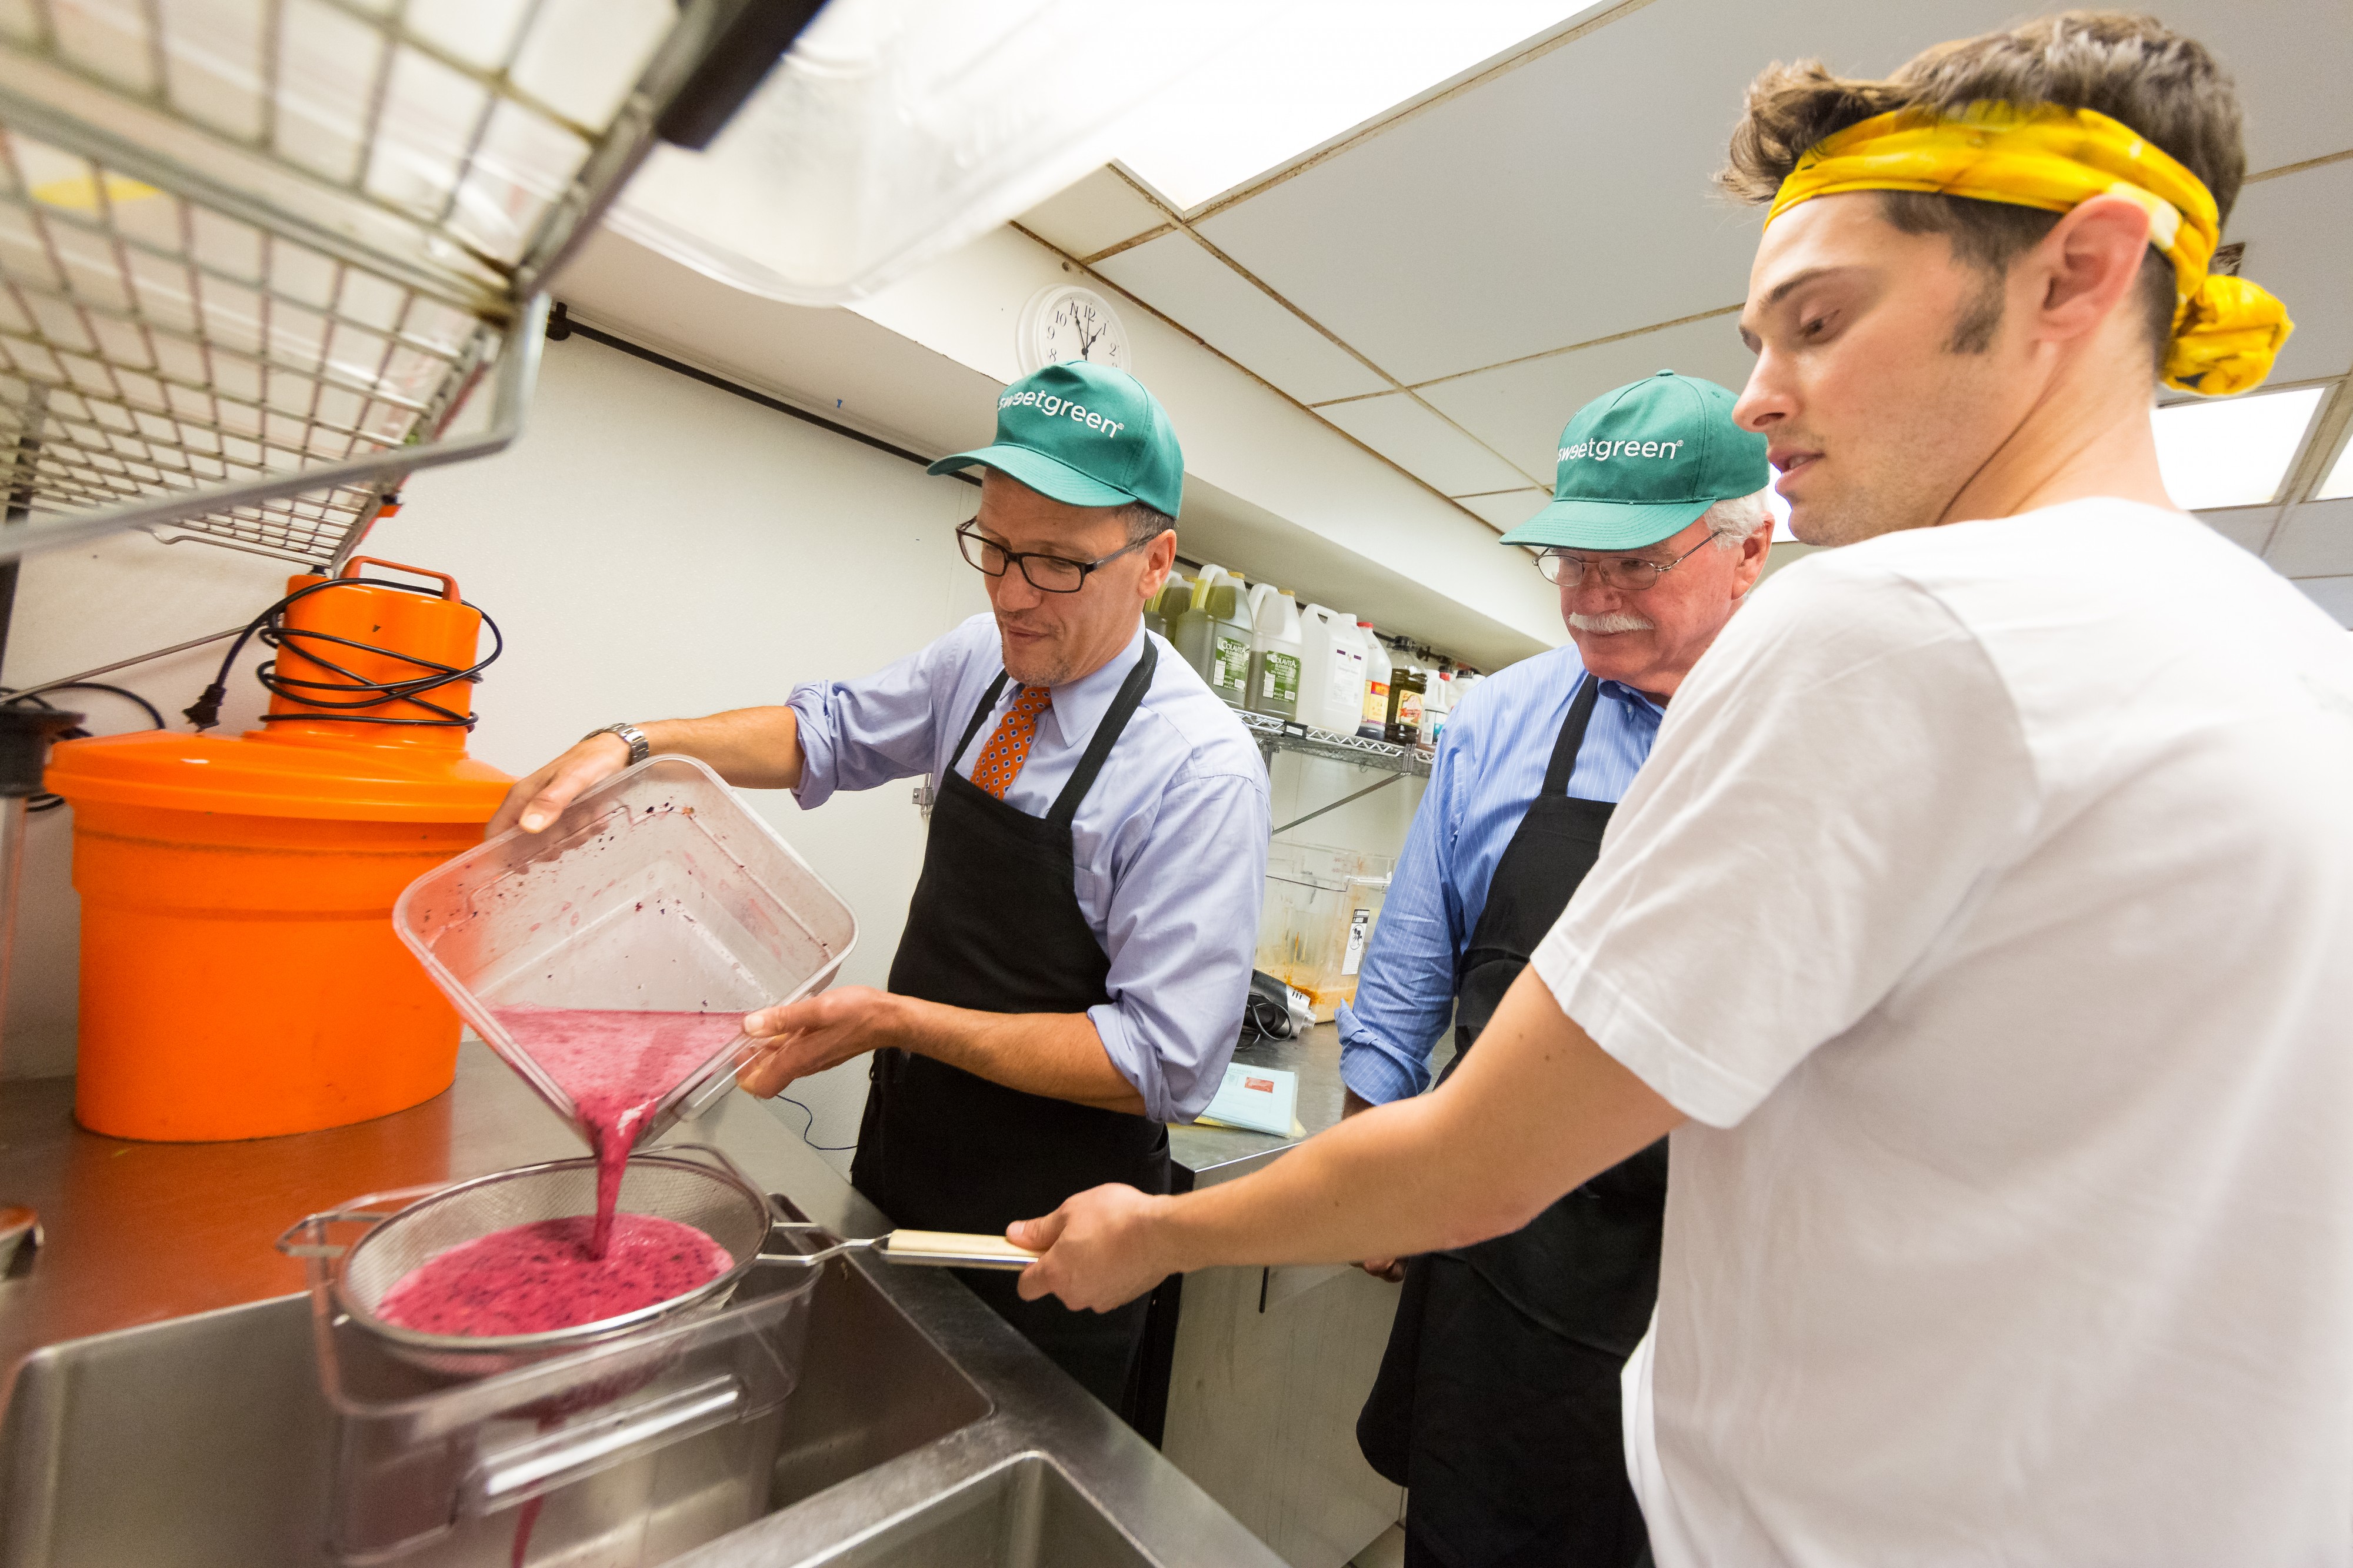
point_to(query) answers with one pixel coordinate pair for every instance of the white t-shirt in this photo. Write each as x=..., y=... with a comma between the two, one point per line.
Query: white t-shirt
x=1988, y=905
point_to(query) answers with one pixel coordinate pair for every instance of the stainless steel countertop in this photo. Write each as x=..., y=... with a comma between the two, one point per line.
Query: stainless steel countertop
x=136, y=1233
x=139, y=1233
x=1220, y=1154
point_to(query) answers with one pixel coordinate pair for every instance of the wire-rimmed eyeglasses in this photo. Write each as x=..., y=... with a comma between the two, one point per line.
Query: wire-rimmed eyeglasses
x=1046, y=574
x=1624, y=574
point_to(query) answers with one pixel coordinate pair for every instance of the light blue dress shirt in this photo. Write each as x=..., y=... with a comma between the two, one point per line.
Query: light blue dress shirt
x=1169, y=845
x=1491, y=762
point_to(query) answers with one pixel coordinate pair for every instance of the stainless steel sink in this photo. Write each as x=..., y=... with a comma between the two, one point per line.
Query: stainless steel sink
x=1026, y=1513
x=163, y=1406
x=204, y=1443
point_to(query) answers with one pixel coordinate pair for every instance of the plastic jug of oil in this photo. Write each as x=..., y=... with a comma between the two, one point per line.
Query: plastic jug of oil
x=1160, y=616
x=1229, y=671
x=1276, y=645
x=1331, y=670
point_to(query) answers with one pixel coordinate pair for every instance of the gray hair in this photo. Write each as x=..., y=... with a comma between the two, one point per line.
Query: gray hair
x=1735, y=518
x=1144, y=522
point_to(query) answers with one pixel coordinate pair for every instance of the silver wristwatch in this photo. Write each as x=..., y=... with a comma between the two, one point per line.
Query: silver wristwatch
x=640, y=750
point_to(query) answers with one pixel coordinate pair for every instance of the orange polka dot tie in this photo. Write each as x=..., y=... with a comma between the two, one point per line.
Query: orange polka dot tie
x=1008, y=746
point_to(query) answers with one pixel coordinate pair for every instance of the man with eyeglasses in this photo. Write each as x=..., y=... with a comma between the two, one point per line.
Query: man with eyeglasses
x=1078, y=951
x=1497, y=1405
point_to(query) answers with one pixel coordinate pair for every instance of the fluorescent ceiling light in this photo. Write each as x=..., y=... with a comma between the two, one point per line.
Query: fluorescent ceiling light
x=1308, y=70
x=2338, y=485
x=2233, y=452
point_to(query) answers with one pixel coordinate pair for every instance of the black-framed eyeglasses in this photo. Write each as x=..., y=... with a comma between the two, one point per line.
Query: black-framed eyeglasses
x=1046, y=574
x=1626, y=573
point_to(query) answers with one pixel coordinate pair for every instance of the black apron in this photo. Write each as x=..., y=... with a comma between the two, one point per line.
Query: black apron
x=1497, y=1401
x=994, y=925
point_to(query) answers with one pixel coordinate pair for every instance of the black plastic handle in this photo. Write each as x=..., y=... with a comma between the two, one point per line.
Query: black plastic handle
x=744, y=49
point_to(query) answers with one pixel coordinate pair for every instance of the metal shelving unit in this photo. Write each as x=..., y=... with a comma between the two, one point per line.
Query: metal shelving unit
x=1274, y=735
x=1279, y=735
x=254, y=255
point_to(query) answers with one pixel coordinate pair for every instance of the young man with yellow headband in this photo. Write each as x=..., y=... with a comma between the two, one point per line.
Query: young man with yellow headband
x=2012, y=1208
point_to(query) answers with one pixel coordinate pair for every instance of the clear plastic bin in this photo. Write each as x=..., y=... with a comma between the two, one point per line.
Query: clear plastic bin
x=659, y=890
x=1322, y=905
x=629, y=1453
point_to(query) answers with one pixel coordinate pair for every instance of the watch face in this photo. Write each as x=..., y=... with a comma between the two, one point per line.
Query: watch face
x=1069, y=323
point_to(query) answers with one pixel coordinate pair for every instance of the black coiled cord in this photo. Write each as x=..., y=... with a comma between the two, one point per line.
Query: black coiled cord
x=354, y=691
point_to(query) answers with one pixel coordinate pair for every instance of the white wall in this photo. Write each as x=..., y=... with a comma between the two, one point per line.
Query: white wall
x=77, y=608
x=1270, y=488
x=650, y=547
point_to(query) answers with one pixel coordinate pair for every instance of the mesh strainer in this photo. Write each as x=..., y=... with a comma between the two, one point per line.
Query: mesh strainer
x=691, y=1183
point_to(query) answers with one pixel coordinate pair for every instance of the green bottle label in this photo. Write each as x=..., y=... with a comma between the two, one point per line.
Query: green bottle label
x=1281, y=678
x=1230, y=668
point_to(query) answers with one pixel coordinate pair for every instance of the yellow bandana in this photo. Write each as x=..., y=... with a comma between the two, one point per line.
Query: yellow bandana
x=2226, y=330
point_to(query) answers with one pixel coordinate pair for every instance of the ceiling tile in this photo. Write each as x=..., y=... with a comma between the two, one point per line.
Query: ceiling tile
x=2299, y=230
x=2334, y=594
x=2291, y=59
x=1567, y=199
x=1519, y=409
x=2315, y=540
x=1092, y=215
x=1507, y=511
x=2245, y=526
x=1424, y=445
x=1178, y=277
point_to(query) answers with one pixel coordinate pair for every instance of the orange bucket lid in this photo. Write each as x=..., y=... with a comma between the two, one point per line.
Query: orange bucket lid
x=260, y=773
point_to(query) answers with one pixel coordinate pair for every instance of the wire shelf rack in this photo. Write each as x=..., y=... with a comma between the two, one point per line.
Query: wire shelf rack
x=255, y=255
x=1274, y=735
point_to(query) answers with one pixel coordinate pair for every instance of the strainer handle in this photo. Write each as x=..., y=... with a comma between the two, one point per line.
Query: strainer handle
x=357, y=1214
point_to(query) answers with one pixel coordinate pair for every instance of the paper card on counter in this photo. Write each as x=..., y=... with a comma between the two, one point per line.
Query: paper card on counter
x=1258, y=1100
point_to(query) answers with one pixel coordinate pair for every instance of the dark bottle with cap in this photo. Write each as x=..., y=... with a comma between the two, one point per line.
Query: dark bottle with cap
x=1407, y=682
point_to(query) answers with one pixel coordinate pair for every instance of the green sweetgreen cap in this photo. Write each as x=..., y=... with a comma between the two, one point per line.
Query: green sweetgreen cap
x=1642, y=463
x=1086, y=434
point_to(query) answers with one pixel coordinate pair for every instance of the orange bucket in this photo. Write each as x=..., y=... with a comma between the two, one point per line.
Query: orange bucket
x=240, y=976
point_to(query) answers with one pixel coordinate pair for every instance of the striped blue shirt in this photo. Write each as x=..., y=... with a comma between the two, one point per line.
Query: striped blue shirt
x=1491, y=763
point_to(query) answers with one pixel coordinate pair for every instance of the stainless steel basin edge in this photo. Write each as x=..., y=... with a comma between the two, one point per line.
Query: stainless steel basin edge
x=1050, y=1476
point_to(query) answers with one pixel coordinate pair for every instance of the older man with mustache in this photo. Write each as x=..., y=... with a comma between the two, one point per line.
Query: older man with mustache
x=1497, y=1405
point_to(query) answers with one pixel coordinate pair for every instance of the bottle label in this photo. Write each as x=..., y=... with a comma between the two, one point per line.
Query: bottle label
x=1230, y=668
x=1347, y=685
x=1358, y=921
x=1377, y=702
x=1410, y=708
x=1280, y=679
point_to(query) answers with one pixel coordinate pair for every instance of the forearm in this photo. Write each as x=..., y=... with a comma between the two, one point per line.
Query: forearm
x=750, y=748
x=1535, y=1111
x=1057, y=1055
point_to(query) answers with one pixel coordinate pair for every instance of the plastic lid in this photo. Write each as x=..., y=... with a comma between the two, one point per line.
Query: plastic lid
x=263, y=774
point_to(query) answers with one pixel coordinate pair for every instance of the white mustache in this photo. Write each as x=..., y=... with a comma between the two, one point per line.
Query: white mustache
x=1622, y=621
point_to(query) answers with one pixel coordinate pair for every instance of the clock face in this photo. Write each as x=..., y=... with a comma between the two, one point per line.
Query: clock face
x=1065, y=322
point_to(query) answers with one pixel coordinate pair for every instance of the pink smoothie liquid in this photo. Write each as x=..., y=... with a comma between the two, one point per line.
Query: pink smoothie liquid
x=616, y=1067
x=530, y=1279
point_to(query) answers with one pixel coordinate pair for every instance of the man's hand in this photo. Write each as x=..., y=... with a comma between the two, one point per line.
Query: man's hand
x=536, y=800
x=1101, y=1249
x=1389, y=1268
x=819, y=1032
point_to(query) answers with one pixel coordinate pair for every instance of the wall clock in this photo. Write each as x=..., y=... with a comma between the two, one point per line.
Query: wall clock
x=1068, y=321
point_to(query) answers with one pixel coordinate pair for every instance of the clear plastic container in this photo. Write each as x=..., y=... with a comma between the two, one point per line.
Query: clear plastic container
x=1322, y=905
x=658, y=891
x=896, y=131
x=626, y=1454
